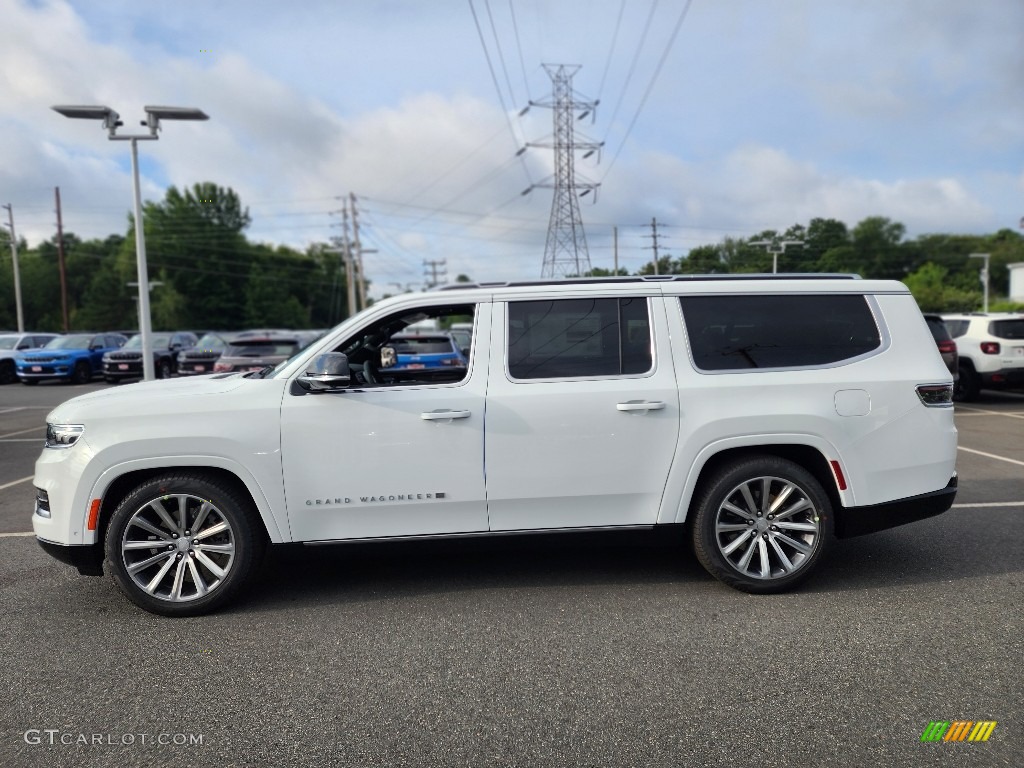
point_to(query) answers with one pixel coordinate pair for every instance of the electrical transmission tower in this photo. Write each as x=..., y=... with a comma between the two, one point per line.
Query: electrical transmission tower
x=565, y=252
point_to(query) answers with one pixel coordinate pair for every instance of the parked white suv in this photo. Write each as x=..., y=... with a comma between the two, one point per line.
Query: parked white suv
x=991, y=349
x=760, y=414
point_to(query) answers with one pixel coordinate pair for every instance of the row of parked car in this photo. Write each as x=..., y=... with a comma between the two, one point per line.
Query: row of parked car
x=981, y=350
x=78, y=358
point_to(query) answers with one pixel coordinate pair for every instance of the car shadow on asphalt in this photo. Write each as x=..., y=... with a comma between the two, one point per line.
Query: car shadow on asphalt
x=949, y=548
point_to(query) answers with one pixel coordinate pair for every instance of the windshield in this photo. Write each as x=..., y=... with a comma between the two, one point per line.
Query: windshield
x=422, y=346
x=210, y=341
x=158, y=340
x=80, y=341
x=261, y=349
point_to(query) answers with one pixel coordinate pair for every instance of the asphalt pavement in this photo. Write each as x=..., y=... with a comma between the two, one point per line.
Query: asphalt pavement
x=604, y=650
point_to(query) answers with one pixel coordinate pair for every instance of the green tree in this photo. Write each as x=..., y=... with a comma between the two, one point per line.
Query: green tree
x=934, y=293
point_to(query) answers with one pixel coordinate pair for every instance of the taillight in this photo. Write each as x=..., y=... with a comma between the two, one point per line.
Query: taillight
x=990, y=347
x=936, y=395
x=945, y=347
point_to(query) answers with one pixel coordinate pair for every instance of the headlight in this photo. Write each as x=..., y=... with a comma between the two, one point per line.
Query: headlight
x=63, y=435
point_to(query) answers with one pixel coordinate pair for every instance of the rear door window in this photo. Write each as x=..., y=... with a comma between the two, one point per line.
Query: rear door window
x=751, y=331
x=569, y=338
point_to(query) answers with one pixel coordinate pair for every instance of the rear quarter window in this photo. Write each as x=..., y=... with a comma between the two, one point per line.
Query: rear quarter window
x=742, y=332
x=1007, y=329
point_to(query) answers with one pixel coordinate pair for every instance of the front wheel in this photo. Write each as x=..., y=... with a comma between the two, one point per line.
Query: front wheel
x=183, y=544
x=82, y=373
x=163, y=369
x=762, y=524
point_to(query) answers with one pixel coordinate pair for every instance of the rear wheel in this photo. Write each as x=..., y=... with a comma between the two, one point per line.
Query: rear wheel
x=82, y=373
x=762, y=524
x=183, y=544
x=968, y=385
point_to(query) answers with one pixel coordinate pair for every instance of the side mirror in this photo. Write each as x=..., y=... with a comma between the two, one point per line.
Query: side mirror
x=388, y=357
x=327, y=372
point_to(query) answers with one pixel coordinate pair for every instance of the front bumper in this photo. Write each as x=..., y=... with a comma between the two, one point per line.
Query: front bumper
x=857, y=521
x=87, y=558
x=59, y=371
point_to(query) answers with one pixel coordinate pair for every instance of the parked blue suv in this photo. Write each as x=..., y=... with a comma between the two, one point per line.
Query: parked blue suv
x=75, y=358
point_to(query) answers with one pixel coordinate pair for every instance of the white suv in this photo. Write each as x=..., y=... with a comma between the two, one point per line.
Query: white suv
x=991, y=349
x=758, y=414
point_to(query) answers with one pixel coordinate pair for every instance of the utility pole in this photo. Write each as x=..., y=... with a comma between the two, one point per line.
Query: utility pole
x=654, y=243
x=436, y=268
x=615, y=249
x=60, y=262
x=359, y=251
x=775, y=248
x=350, y=273
x=984, y=275
x=565, y=252
x=17, y=276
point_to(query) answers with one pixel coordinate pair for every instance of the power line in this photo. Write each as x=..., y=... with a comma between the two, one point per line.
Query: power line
x=519, y=47
x=632, y=65
x=497, y=88
x=501, y=55
x=650, y=85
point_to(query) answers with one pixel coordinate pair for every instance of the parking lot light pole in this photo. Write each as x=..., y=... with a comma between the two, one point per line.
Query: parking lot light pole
x=984, y=275
x=111, y=121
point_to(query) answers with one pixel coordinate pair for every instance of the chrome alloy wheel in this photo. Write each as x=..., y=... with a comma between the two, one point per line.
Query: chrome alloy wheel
x=178, y=547
x=767, y=527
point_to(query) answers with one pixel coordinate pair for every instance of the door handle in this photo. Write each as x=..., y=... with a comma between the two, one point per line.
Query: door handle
x=444, y=415
x=640, y=405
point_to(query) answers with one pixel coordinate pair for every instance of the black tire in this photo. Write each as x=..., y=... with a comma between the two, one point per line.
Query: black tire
x=8, y=374
x=968, y=386
x=183, y=579
x=82, y=374
x=163, y=368
x=786, y=540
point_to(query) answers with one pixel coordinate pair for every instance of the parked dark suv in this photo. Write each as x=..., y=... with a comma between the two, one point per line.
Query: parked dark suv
x=201, y=358
x=126, y=362
x=947, y=347
x=253, y=353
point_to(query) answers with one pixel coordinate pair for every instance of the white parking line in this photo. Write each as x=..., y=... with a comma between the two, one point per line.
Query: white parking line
x=985, y=412
x=22, y=440
x=990, y=504
x=16, y=482
x=990, y=455
x=12, y=535
x=23, y=431
x=12, y=410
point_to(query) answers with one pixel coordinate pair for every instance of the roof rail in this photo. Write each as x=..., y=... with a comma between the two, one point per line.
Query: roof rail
x=650, y=279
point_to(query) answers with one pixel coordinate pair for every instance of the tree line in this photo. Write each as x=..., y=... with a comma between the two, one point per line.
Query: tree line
x=937, y=268
x=206, y=274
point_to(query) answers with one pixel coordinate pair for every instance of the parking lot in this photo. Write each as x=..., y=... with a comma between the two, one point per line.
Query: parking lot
x=605, y=650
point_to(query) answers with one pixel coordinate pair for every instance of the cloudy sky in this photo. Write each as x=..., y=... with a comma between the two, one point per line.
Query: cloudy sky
x=719, y=118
